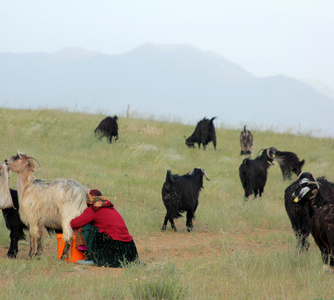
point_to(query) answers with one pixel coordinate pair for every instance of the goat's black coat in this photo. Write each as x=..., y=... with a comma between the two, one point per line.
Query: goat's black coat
x=108, y=128
x=289, y=163
x=14, y=225
x=253, y=172
x=180, y=194
x=204, y=134
x=299, y=214
x=321, y=214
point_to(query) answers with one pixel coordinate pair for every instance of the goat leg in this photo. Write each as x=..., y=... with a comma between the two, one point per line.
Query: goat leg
x=31, y=247
x=66, y=251
x=39, y=247
x=13, y=247
x=173, y=225
x=189, y=224
x=163, y=228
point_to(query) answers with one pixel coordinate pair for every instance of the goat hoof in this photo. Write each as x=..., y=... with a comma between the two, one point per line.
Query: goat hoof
x=63, y=257
x=11, y=255
x=189, y=229
x=163, y=228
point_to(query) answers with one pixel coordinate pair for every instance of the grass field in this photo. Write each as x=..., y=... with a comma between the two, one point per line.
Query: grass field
x=237, y=250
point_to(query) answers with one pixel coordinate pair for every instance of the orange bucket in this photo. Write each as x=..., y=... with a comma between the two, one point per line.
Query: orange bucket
x=74, y=255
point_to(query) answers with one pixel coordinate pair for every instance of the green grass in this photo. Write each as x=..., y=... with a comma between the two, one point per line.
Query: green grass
x=255, y=257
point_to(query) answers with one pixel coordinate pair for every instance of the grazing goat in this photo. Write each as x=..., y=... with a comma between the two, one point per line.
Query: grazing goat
x=246, y=142
x=204, y=134
x=180, y=194
x=45, y=203
x=289, y=163
x=321, y=214
x=11, y=214
x=108, y=128
x=253, y=172
x=298, y=213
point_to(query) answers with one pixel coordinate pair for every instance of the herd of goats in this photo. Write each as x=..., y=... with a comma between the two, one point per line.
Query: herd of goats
x=40, y=205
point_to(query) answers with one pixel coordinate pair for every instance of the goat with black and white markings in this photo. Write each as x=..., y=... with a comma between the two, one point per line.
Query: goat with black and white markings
x=321, y=214
x=298, y=212
x=180, y=194
x=246, y=142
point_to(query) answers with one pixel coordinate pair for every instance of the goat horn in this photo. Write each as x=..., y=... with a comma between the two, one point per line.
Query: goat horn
x=268, y=153
x=206, y=175
x=30, y=157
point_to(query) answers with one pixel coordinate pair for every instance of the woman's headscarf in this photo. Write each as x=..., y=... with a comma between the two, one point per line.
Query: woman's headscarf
x=97, y=200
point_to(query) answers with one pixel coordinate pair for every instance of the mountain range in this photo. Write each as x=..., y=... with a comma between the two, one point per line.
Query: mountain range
x=169, y=82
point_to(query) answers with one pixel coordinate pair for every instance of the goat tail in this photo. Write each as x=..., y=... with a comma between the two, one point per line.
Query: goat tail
x=169, y=176
x=301, y=163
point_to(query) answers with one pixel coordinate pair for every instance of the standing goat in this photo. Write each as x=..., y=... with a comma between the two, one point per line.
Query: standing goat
x=204, y=134
x=11, y=214
x=289, y=163
x=253, y=172
x=321, y=213
x=108, y=128
x=180, y=194
x=298, y=213
x=246, y=142
x=45, y=203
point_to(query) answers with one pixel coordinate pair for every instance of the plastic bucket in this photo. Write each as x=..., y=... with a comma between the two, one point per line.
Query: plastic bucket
x=74, y=254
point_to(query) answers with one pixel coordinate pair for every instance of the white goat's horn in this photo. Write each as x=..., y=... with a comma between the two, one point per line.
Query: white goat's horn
x=30, y=157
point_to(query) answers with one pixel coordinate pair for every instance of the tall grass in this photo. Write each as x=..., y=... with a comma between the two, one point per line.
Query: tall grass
x=253, y=256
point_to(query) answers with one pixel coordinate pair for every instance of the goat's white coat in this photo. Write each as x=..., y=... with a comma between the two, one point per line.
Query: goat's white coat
x=5, y=197
x=45, y=203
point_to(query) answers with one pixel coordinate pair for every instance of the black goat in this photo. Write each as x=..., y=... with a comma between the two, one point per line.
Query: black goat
x=289, y=163
x=14, y=225
x=298, y=213
x=10, y=210
x=246, y=142
x=321, y=213
x=180, y=194
x=204, y=134
x=108, y=128
x=253, y=172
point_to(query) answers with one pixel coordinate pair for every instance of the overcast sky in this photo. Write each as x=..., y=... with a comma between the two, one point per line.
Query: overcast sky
x=265, y=37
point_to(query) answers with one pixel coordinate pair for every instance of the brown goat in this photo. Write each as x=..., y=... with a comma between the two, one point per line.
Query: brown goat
x=45, y=203
x=246, y=142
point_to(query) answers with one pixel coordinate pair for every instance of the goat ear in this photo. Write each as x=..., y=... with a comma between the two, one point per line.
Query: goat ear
x=31, y=163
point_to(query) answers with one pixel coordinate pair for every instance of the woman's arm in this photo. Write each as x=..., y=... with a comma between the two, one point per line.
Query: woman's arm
x=86, y=217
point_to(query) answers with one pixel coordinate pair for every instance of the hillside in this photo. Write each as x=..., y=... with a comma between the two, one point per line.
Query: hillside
x=236, y=250
x=168, y=82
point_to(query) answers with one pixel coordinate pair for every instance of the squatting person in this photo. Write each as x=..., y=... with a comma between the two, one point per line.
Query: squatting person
x=103, y=234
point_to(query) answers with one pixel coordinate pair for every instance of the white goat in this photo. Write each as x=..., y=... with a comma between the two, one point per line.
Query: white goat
x=45, y=203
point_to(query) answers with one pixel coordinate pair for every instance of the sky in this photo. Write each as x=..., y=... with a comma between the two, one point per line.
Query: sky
x=265, y=37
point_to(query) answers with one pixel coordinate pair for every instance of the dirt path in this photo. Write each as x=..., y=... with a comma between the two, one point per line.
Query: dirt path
x=178, y=247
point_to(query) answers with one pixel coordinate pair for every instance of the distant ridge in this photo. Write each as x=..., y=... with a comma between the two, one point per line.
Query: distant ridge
x=173, y=82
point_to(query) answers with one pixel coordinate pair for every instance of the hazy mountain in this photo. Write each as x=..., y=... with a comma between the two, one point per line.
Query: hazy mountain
x=173, y=82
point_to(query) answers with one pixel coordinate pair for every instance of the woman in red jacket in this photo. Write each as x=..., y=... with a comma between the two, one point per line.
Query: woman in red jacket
x=105, y=234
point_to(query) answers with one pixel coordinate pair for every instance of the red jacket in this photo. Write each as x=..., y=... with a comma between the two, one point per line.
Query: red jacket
x=107, y=219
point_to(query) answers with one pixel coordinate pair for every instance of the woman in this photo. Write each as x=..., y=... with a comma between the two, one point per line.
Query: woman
x=104, y=233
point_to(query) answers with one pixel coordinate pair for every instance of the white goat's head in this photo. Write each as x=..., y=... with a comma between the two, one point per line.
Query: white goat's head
x=20, y=162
